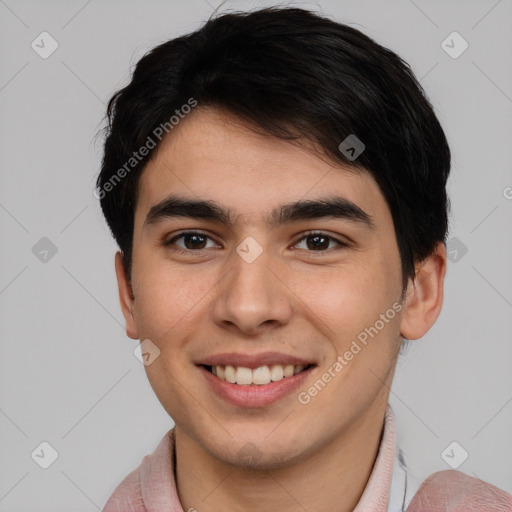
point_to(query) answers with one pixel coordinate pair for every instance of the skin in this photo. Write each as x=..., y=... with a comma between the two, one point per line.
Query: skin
x=293, y=298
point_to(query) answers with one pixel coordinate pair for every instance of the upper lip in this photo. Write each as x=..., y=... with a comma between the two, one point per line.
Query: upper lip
x=253, y=360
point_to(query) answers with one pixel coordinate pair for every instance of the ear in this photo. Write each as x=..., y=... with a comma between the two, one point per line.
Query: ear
x=424, y=296
x=126, y=298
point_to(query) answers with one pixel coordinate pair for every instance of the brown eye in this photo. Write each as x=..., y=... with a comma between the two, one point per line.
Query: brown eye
x=192, y=241
x=320, y=242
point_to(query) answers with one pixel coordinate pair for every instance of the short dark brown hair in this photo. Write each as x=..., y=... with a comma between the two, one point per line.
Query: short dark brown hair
x=295, y=75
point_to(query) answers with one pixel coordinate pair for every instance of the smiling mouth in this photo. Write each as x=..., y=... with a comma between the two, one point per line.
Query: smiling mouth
x=260, y=376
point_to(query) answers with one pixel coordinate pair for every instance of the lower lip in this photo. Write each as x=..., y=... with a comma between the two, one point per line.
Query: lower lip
x=253, y=395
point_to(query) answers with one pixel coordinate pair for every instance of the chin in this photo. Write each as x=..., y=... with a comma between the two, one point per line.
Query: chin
x=259, y=454
x=252, y=457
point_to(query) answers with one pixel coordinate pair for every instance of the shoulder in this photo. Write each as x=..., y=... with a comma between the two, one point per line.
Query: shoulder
x=137, y=488
x=127, y=496
x=453, y=491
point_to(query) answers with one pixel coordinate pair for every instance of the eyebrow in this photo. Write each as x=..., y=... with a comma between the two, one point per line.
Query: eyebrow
x=335, y=207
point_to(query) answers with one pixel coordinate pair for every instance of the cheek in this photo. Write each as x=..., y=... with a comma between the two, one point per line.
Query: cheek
x=167, y=299
x=357, y=310
x=349, y=296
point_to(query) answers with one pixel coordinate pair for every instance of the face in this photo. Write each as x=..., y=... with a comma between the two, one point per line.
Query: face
x=253, y=290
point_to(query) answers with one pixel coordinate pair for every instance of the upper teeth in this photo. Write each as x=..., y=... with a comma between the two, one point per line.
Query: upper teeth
x=260, y=376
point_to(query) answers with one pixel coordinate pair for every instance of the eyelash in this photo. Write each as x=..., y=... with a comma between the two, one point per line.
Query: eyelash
x=306, y=235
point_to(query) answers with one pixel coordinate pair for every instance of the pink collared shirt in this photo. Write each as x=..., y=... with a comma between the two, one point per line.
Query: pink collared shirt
x=152, y=487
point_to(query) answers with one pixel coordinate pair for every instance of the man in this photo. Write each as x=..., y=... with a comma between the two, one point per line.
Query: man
x=276, y=182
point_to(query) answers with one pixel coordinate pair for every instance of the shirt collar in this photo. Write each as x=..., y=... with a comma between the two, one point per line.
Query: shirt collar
x=375, y=497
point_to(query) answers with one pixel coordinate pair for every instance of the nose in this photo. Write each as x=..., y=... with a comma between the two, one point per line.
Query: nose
x=251, y=297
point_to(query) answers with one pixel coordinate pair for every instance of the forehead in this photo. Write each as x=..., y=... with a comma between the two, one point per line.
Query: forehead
x=213, y=155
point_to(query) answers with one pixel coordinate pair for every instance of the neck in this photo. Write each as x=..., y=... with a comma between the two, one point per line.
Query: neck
x=333, y=478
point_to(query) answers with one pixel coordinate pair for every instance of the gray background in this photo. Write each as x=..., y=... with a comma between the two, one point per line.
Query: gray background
x=68, y=375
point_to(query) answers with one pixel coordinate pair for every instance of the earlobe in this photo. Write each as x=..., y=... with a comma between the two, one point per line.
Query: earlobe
x=424, y=297
x=126, y=298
